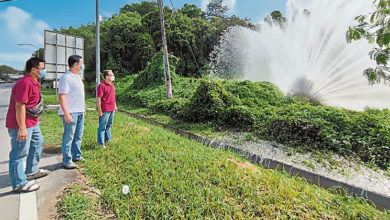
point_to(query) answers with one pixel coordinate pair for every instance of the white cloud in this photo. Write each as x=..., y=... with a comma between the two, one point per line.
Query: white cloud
x=106, y=14
x=230, y=3
x=14, y=57
x=20, y=26
x=16, y=60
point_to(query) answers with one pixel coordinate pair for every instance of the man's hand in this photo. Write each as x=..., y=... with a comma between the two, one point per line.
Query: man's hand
x=116, y=109
x=22, y=135
x=100, y=113
x=85, y=112
x=68, y=118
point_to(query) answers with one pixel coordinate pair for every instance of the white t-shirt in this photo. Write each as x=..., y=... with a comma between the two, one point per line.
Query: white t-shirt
x=72, y=86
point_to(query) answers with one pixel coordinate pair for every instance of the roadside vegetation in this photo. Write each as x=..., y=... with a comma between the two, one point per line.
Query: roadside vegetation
x=260, y=108
x=172, y=177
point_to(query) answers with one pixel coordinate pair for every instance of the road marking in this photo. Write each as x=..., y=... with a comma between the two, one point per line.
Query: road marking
x=28, y=206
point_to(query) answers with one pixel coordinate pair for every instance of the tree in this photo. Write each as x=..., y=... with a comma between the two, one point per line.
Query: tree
x=130, y=39
x=4, y=69
x=276, y=17
x=126, y=47
x=375, y=28
x=39, y=53
x=142, y=8
x=8, y=69
x=192, y=11
x=215, y=8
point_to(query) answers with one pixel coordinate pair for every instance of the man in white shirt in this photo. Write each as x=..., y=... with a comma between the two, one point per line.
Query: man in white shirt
x=72, y=111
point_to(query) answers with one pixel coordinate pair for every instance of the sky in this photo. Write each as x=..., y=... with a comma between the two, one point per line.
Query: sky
x=24, y=21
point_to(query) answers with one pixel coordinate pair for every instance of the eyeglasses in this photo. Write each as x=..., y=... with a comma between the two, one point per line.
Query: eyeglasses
x=39, y=68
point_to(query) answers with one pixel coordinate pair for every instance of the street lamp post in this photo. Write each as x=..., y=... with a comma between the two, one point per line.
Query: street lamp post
x=38, y=54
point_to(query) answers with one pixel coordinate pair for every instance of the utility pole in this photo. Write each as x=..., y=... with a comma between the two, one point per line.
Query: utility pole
x=165, y=51
x=97, y=47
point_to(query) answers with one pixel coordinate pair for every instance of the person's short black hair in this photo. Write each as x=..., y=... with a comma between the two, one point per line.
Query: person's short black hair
x=106, y=73
x=33, y=62
x=74, y=59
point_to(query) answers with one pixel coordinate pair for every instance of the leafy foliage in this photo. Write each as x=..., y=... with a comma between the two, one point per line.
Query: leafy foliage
x=276, y=17
x=375, y=27
x=130, y=39
x=216, y=8
x=154, y=73
x=260, y=107
x=125, y=47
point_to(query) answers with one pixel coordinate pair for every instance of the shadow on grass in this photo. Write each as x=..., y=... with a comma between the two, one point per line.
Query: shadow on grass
x=51, y=148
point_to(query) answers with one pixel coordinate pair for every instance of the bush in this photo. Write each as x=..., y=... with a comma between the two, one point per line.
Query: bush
x=260, y=107
x=209, y=103
x=154, y=74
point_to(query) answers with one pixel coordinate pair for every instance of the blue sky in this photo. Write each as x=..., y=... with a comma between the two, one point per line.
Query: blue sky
x=23, y=21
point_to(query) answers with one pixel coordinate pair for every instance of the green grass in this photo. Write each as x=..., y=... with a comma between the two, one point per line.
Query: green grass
x=78, y=202
x=51, y=127
x=209, y=130
x=172, y=177
x=49, y=96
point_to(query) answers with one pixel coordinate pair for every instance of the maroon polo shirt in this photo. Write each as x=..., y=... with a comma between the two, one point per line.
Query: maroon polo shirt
x=26, y=90
x=106, y=92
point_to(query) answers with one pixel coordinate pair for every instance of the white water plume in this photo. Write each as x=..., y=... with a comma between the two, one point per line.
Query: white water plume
x=308, y=56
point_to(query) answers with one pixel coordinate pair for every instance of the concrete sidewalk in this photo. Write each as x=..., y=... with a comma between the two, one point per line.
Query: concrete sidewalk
x=51, y=185
x=42, y=203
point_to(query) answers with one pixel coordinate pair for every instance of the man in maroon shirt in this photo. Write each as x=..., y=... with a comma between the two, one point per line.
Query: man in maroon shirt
x=24, y=130
x=106, y=103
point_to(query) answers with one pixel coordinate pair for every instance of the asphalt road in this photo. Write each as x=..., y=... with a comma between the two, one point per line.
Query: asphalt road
x=9, y=202
x=35, y=205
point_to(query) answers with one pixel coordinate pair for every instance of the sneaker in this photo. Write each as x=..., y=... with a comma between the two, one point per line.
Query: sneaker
x=40, y=173
x=80, y=159
x=69, y=165
x=27, y=187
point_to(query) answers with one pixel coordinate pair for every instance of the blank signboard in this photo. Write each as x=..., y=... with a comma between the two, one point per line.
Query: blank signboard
x=58, y=48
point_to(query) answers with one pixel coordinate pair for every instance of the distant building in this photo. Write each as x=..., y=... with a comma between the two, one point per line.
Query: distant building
x=15, y=76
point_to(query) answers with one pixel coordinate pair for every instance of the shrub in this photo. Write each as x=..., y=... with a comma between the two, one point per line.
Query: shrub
x=260, y=107
x=153, y=74
x=209, y=103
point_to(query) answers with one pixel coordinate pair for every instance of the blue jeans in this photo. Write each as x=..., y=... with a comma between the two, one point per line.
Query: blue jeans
x=71, y=138
x=32, y=148
x=104, y=130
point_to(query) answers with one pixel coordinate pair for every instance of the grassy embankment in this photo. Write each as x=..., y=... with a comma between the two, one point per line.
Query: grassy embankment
x=172, y=177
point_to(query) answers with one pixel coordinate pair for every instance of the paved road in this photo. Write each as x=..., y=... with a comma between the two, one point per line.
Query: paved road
x=9, y=202
x=29, y=206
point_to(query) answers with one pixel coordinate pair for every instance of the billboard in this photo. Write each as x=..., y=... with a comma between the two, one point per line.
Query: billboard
x=58, y=48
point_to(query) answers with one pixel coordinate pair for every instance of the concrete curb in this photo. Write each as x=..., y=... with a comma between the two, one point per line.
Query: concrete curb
x=56, y=107
x=380, y=200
